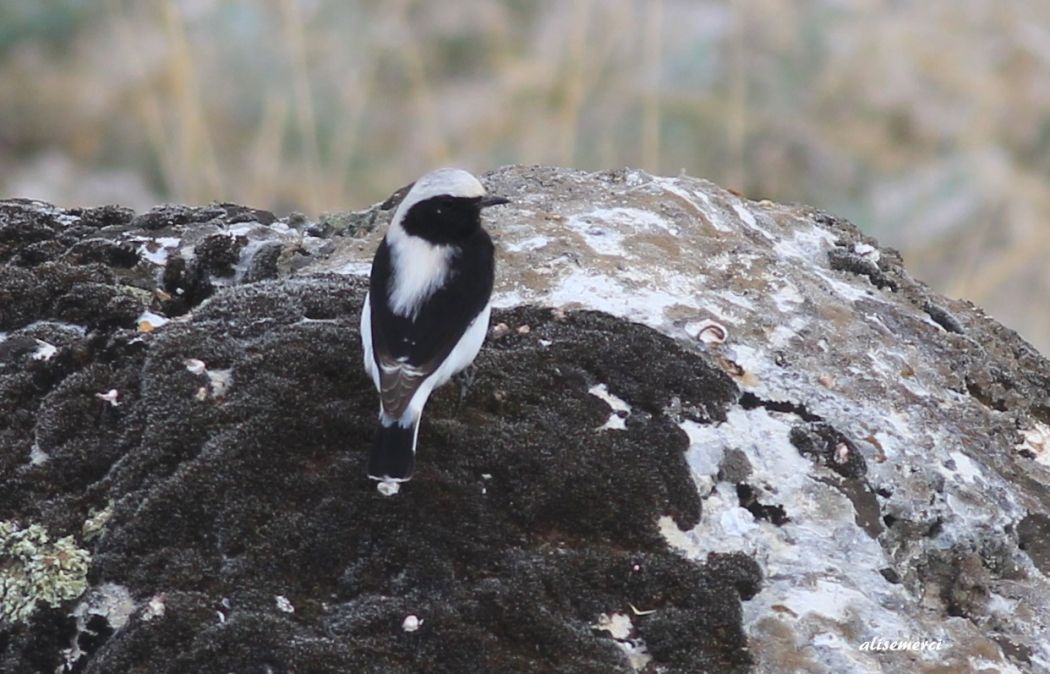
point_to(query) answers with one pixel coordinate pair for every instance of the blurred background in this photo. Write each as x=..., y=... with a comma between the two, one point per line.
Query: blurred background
x=925, y=122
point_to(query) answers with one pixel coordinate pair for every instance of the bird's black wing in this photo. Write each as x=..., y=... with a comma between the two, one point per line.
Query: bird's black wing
x=408, y=350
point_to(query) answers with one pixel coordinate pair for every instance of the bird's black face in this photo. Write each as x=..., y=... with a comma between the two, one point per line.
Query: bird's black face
x=447, y=219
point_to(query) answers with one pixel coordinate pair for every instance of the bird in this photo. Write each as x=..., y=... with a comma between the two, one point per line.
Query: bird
x=427, y=309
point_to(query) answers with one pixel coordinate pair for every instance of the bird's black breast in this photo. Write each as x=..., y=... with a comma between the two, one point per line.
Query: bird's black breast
x=443, y=318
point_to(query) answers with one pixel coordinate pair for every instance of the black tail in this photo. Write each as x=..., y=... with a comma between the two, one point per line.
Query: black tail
x=393, y=454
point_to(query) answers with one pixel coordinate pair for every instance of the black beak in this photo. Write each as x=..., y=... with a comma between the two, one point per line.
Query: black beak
x=493, y=201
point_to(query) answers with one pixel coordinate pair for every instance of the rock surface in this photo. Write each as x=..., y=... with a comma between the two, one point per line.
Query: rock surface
x=706, y=434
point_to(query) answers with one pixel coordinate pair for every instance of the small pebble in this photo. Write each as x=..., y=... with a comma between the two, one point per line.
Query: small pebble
x=110, y=397
x=195, y=366
x=867, y=250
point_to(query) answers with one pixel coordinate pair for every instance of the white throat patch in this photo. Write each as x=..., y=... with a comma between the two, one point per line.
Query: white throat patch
x=418, y=269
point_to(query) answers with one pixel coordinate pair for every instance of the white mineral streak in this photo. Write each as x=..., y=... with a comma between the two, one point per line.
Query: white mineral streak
x=673, y=252
x=157, y=249
x=110, y=601
x=1037, y=441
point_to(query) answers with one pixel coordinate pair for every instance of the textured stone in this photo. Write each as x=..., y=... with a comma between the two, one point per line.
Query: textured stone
x=857, y=459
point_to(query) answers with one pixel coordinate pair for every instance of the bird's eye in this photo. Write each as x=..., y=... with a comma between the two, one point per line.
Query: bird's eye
x=438, y=211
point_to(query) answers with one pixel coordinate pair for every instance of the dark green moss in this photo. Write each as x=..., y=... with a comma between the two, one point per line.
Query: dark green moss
x=523, y=524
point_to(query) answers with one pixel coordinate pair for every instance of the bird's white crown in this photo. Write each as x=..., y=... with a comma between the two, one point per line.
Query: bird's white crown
x=452, y=182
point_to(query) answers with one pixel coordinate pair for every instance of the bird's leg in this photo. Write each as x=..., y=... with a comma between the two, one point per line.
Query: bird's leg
x=465, y=379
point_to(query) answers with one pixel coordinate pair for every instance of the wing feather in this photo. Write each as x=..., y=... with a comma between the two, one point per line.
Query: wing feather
x=398, y=382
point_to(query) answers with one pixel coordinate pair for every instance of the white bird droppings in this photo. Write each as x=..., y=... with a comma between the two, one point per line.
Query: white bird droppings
x=220, y=381
x=37, y=456
x=154, y=608
x=388, y=487
x=619, y=627
x=616, y=419
x=44, y=351
x=617, y=624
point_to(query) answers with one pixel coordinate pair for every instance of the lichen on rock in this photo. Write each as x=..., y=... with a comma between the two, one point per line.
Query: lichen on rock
x=35, y=569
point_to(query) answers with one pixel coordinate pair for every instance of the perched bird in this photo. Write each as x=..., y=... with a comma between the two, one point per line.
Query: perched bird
x=427, y=309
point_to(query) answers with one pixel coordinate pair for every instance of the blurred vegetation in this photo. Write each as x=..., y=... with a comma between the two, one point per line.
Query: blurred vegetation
x=925, y=122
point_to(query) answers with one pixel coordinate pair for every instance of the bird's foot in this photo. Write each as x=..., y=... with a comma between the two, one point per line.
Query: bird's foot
x=465, y=379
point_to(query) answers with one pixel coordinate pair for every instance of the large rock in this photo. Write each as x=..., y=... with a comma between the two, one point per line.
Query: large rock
x=706, y=434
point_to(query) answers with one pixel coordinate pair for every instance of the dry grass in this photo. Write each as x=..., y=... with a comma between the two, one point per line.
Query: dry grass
x=928, y=123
